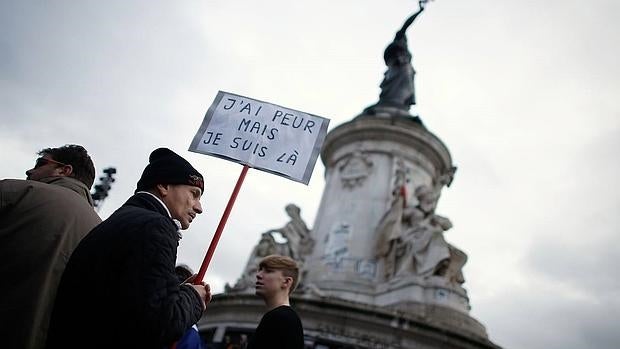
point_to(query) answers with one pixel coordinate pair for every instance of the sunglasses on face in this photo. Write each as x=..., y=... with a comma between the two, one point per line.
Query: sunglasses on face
x=43, y=161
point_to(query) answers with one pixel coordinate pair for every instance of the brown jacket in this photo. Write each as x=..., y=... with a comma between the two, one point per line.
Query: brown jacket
x=41, y=223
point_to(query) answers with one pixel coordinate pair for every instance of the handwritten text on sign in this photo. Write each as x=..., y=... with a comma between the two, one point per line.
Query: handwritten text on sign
x=262, y=135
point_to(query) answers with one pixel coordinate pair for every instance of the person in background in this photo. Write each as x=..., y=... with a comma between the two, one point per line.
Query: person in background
x=280, y=327
x=119, y=288
x=42, y=220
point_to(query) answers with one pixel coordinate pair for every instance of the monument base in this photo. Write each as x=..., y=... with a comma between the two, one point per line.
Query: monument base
x=335, y=323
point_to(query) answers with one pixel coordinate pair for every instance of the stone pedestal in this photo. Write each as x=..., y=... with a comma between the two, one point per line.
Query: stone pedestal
x=335, y=323
x=377, y=271
x=364, y=160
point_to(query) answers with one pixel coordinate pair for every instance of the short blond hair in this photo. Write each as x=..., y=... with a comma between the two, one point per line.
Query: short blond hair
x=286, y=264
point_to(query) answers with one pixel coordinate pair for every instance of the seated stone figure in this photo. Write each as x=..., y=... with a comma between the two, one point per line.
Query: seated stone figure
x=416, y=245
x=266, y=246
x=297, y=234
x=423, y=248
x=298, y=244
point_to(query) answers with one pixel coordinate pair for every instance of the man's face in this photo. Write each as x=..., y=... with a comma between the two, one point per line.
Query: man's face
x=183, y=201
x=46, y=167
x=269, y=282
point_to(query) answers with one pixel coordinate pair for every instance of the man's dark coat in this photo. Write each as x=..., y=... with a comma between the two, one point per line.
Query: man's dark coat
x=120, y=288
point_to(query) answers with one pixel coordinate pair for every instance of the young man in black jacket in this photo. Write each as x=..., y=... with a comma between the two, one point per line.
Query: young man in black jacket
x=119, y=289
x=280, y=327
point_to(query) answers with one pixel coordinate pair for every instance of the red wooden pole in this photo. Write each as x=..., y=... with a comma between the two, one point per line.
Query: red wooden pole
x=220, y=228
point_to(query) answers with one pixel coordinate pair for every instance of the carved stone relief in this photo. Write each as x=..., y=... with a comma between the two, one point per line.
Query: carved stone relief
x=410, y=237
x=355, y=170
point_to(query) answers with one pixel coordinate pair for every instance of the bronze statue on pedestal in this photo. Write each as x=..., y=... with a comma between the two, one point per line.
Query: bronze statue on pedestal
x=397, y=87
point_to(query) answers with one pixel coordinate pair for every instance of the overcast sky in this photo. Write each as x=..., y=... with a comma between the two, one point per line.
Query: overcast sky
x=523, y=93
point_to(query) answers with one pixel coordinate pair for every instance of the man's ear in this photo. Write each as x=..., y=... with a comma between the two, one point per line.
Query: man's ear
x=288, y=281
x=162, y=189
x=65, y=170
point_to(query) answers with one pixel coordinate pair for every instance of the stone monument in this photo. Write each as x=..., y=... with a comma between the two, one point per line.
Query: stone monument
x=377, y=268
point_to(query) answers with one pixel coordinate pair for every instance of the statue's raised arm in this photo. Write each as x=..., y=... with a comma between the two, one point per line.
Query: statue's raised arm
x=410, y=20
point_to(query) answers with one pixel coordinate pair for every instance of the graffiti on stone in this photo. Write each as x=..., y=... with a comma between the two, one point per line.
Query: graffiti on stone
x=337, y=246
x=366, y=268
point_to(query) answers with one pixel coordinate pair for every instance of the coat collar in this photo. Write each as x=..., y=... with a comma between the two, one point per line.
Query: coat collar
x=158, y=200
x=150, y=202
x=71, y=184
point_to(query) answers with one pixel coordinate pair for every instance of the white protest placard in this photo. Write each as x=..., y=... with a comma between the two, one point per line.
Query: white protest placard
x=261, y=135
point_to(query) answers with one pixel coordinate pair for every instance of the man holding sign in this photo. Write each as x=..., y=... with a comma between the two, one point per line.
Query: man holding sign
x=120, y=289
